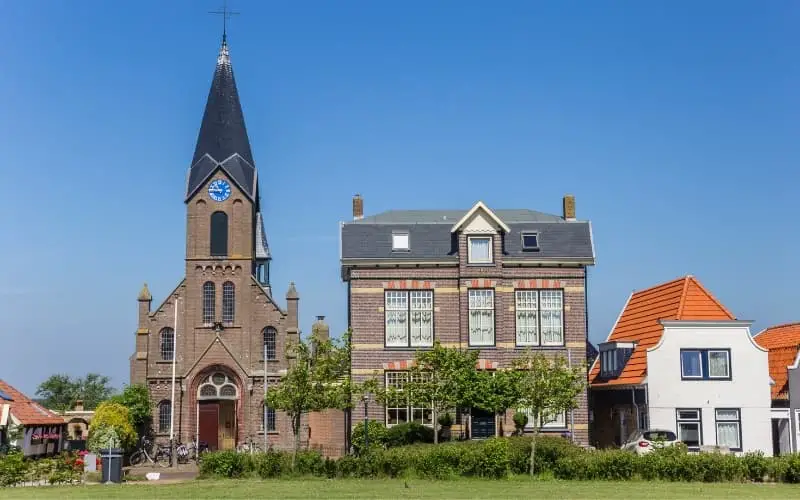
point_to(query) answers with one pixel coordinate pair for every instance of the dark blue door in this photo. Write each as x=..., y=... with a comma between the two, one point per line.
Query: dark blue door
x=482, y=424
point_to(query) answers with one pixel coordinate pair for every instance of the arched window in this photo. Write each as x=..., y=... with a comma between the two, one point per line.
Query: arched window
x=270, y=343
x=228, y=300
x=167, y=344
x=268, y=416
x=164, y=416
x=219, y=234
x=209, y=302
x=217, y=386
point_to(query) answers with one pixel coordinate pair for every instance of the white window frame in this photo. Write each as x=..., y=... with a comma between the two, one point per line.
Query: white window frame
x=686, y=420
x=408, y=318
x=486, y=314
x=535, y=234
x=700, y=357
x=526, y=302
x=559, y=422
x=471, y=259
x=737, y=421
x=401, y=241
x=727, y=363
x=167, y=343
x=398, y=379
x=271, y=420
x=540, y=308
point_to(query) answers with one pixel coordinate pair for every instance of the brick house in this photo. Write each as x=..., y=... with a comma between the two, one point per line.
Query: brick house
x=499, y=281
x=222, y=324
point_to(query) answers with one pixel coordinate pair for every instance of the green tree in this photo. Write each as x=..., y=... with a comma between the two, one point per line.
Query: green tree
x=57, y=392
x=440, y=378
x=60, y=391
x=549, y=387
x=136, y=399
x=316, y=380
x=111, y=420
x=497, y=391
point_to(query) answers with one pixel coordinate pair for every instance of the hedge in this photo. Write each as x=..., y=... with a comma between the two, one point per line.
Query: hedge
x=498, y=458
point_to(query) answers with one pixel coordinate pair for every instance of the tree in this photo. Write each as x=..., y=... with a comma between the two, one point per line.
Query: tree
x=111, y=420
x=60, y=391
x=57, y=392
x=440, y=378
x=316, y=380
x=497, y=391
x=136, y=399
x=548, y=388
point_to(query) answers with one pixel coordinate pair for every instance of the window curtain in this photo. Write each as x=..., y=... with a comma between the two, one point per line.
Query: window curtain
x=480, y=249
x=718, y=364
x=728, y=434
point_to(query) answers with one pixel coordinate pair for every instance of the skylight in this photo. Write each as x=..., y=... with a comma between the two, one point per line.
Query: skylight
x=400, y=242
x=530, y=241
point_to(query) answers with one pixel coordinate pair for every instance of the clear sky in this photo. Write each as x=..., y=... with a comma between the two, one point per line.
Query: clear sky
x=674, y=123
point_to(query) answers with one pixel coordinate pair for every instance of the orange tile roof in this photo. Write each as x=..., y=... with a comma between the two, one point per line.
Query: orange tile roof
x=681, y=299
x=783, y=343
x=27, y=411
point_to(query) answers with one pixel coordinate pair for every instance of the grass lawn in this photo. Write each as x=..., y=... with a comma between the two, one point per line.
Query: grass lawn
x=396, y=488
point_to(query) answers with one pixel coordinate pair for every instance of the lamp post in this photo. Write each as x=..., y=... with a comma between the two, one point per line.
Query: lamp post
x=365, y=398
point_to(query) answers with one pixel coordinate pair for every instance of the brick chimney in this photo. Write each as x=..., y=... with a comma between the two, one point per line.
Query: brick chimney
x=78, y=405
x=569, y=207
x=358, y=207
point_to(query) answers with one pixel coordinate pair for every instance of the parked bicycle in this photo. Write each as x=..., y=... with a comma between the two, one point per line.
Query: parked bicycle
x=250, y=446
x=190, y=452
x=148, y=452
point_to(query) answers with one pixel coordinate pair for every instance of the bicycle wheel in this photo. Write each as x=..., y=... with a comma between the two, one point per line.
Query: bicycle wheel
x=137, y=458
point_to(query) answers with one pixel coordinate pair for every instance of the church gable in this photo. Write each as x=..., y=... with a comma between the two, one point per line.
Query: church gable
x=217, y=353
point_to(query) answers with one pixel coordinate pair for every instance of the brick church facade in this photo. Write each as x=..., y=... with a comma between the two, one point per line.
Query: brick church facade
x=222, y=320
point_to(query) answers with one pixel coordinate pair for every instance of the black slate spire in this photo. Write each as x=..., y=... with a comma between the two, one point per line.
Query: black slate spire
x=223, y=140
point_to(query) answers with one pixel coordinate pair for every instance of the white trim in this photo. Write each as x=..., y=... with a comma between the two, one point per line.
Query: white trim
x=677, y=323
x=5, y=409
x=591, y=241
x=796, y=363
x=779, y=413
x=470, y=260
x=480, y=205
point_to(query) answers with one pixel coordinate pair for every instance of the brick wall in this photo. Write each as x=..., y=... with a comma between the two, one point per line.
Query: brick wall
x=451, y=316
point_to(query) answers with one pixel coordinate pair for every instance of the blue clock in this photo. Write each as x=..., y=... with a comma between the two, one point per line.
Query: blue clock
x=219, y=190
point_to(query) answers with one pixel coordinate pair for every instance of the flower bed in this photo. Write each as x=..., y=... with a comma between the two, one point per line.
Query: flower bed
x=18, y=470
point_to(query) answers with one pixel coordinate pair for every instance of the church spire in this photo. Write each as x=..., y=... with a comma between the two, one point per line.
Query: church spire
x=222, y=140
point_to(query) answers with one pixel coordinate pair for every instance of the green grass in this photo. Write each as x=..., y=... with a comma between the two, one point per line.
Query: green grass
x=396, y=488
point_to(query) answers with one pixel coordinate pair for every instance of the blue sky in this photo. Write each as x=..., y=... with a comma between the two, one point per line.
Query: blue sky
x=675, y=125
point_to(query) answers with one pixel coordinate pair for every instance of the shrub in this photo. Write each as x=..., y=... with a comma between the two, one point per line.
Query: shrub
x=13, y=468
x=520, y=421
x=227, y=464
x=111, y=419
x=789, y=468
x=267, y=465
x=377, y=435
x=757, y=466
x=408, y=433
x=446, y=420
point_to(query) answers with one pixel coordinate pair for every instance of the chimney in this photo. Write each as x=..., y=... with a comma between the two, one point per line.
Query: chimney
x=358, y=207
x=78, y=405
x=321, y=329
x=569, y=207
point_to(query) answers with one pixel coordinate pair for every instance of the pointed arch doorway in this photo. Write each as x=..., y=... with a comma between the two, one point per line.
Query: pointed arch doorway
x=217, y=401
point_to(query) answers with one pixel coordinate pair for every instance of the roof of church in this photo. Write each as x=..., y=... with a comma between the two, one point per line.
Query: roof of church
x=222, y=140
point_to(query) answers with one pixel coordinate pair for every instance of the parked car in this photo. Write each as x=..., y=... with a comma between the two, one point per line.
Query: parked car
x=647, y=440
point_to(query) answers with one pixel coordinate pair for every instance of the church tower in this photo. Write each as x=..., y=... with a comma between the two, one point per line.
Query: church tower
x=221, y=326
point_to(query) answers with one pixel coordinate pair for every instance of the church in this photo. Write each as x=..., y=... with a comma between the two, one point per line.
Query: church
x=222, y=324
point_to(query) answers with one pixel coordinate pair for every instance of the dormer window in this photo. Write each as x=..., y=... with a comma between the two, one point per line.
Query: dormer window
x=479, y=249
x=613, y=357
x=530, y=241
x=400, y=242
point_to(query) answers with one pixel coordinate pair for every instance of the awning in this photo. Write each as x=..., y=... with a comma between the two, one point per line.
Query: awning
x=4, y=411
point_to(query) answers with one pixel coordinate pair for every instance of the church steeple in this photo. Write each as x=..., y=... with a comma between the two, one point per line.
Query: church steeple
x=222, y=140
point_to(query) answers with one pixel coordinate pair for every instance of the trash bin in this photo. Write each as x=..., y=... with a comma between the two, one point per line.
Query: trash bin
x=111, y=460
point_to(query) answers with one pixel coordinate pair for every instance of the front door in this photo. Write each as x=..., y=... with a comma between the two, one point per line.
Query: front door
x=208, y=425
x=227, y=425
x=483, y=423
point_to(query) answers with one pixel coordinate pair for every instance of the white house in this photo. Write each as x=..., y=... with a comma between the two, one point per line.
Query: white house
x=678, y=360
x=709, y=382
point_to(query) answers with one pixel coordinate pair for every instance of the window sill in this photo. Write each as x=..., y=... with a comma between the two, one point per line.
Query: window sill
x=481, y=264
x=269, y=433
x=269, y=360
x=538, y=346
x=407, y=348
x=163, y=362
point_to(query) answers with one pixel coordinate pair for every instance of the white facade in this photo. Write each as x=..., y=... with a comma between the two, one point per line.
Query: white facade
x=686, y=372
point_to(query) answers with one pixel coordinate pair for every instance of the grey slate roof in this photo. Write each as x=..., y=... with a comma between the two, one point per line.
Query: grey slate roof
x=430, y=238
x=262, y=248
x=222, y=140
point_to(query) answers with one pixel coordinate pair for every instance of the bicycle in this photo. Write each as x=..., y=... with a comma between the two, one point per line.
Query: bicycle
x=160, y=455
x=250, y=446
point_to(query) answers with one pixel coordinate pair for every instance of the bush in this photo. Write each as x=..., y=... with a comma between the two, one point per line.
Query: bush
x=13, y=468
x=757, y=466
x=227, y=464
x=109, y=420
x=377, y=436
x=520, y=421
x=408, y=433
x=789, y=468
x=446, y=420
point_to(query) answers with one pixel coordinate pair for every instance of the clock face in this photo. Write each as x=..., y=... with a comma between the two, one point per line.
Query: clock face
x=219, y=190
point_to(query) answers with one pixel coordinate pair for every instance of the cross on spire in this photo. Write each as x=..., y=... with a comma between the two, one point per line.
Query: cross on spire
x=226, y=14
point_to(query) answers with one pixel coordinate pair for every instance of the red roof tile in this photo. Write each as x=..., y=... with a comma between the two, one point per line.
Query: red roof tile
x=26, y=411
x=783, y=343
x=681, y=299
